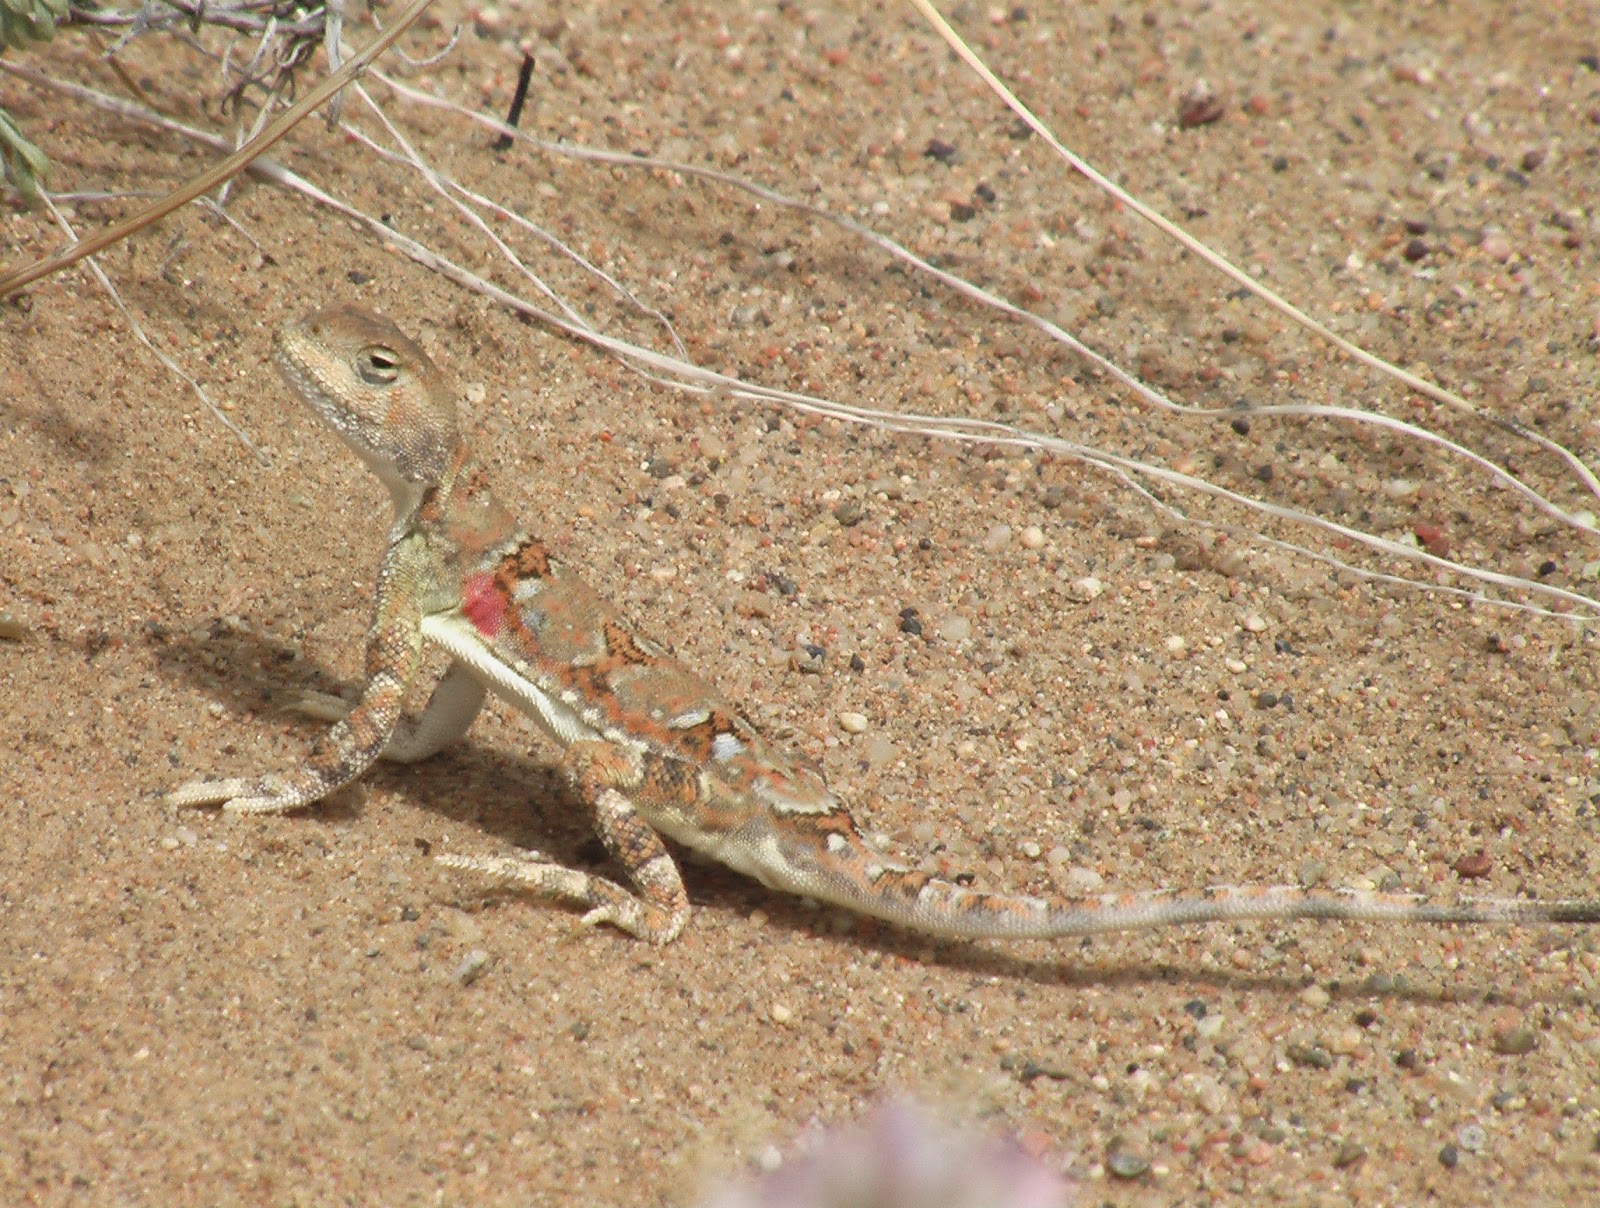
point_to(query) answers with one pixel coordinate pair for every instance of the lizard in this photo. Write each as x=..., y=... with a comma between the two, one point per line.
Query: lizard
x=651, y=748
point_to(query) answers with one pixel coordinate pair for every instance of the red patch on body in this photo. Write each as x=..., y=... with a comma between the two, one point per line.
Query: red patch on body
x=484, y=604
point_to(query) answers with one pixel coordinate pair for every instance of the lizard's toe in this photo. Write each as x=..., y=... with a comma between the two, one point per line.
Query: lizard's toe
x=199, y=793
x=260, y=795
x=322, y=706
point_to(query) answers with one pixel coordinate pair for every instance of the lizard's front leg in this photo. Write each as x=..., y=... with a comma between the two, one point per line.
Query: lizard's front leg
x=603, y=774
x=349, y=748
x=450, y=711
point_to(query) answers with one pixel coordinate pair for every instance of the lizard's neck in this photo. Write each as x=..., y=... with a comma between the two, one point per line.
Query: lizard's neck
x=458, y=510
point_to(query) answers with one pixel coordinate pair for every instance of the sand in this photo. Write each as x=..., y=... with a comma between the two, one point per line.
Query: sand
x=196, y=1009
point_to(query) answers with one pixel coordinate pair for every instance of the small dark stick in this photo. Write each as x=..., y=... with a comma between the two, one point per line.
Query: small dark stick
x=503, y=142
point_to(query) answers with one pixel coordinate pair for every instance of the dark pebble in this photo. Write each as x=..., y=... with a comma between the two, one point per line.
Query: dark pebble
x=1449, y=1156
x=1242, y=426
x=1349, y=1154
x=1415, y=250
x=1196, y=1008
x=940, y=150
x=1407, y=1059
x=1515, y=1042
x=1313, y=1056
x=1200, y=109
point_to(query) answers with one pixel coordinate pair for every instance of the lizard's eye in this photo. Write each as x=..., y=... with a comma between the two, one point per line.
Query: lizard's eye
x=378, y=365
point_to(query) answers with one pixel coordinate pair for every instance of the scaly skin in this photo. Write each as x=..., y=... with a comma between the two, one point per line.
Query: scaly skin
x=653, y=749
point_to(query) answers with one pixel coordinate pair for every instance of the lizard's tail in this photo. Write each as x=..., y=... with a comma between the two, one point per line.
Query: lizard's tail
x=861, y=879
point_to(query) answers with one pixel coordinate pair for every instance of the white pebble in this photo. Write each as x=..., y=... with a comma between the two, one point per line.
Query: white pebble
x=997, y=538
x=853, y=723
x=1400, y=488
x=1033, y=537
x=1255, y=622
x=1315, y=996
x=1031, y=849
x=472, y=967
x=1081, y=880
x=1235, y=665
x=1345, y=1041
x=1176, y=646
x=781, y=1014
x=1088, y=587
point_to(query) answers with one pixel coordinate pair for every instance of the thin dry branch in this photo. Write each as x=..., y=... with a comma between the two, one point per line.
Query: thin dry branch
x=230, y=166
x=1239, y=276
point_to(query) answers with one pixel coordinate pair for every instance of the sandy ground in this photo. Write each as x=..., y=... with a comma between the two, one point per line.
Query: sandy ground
x=201, y=1010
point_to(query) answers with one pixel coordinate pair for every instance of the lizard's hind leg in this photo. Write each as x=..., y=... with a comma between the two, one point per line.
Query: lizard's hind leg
x=601, y=773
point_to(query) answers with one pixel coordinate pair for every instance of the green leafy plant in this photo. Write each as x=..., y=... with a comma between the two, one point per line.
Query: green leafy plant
x=23, y=22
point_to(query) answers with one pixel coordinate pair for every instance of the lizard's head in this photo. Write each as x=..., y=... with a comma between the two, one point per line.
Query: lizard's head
x=378, y=390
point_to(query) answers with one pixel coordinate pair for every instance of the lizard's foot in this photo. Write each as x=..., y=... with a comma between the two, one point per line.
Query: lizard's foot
x=606, y=901
x=256, y=795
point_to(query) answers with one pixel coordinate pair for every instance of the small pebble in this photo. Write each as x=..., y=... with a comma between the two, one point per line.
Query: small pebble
x=853, y=723
x=1237, y=666
x=1255, y=622
x=1400, y=488
x=1033, y=537
x=1079, y=881
x=781, y=1014
x=953, y=627
x=1200, y=106
x=1345, y=1041
x=1088, y=588
x=1471, y=1137
x=997, y=538
x=12, y=629
x=473, y=966
x=1349, y=1154
x=1315, y=996
x=1312, y=1056
x=1497, y=246
x=1176, y=645
x=1127, y=1165
x=1514, y=1042
x=1448, y=1157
